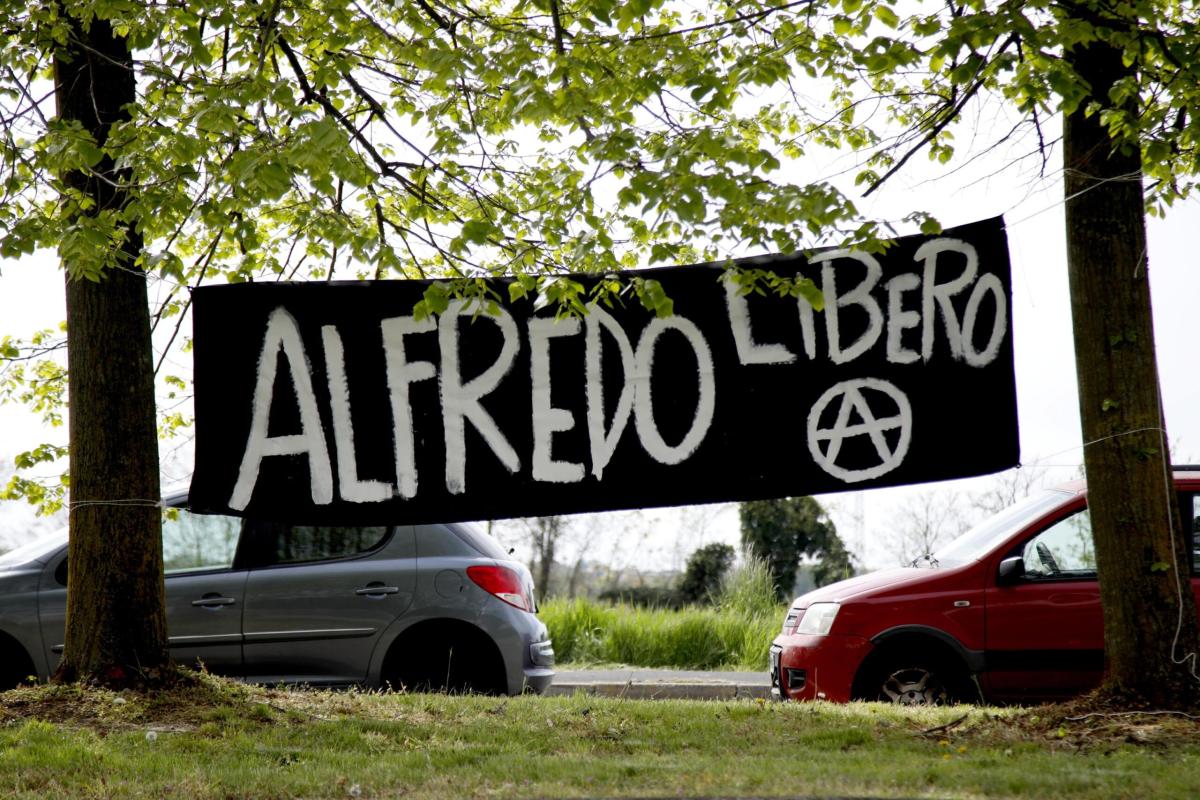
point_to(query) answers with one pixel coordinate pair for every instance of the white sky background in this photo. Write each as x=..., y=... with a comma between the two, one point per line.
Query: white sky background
x=31, y=297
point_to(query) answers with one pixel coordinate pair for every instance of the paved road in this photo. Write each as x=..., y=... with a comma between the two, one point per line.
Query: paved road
x=663, y=684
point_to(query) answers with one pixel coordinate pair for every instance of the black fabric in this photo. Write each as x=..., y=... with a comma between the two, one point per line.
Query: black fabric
x=909, y=403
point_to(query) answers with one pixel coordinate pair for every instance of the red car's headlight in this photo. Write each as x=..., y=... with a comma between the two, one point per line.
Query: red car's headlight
x=818, y=619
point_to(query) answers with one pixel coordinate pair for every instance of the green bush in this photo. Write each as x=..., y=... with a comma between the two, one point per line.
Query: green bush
x=706, y=570
x=733, y=634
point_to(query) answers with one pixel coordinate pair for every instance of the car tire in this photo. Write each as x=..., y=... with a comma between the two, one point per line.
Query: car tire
x=447, y=657
x=16, y=666
x=918, y=675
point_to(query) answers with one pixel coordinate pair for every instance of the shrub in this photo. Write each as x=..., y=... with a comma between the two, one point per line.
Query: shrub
x=706, y=570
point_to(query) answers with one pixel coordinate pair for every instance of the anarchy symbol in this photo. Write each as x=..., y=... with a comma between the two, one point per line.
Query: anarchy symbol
x=825, y=444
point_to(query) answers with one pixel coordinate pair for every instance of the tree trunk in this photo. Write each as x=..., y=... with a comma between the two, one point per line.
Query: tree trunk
x=116, y=619
x=548, y=531
x=1142, y=553
x=573, y=581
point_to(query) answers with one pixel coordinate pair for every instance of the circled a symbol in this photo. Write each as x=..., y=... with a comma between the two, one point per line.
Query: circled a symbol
x=855, y=417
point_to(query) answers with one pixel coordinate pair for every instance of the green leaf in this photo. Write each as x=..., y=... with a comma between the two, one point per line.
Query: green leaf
x=272, y=180
x=436, y=298
x=812, y=293
x=477, y=231
x=887, y=16
x=931, y=227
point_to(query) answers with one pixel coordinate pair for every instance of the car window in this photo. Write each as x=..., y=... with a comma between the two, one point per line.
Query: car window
x=37, y=550
x=980, y=540
x=1064, y=550
x=292, y=544
x=193, y=542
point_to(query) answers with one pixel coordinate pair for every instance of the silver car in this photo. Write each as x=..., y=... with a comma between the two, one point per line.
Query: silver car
x=419, y=607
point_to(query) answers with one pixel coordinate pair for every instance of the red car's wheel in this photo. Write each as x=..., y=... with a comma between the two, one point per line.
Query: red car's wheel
x=917, y=674
x=914, y=686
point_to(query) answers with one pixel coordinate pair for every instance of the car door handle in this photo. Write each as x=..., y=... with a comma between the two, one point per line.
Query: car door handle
x=214, y=600
x=376, y=590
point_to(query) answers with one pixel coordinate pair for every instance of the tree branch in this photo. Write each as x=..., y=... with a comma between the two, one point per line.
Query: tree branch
x=311, y=96
x=754, y=16
x=950, y=115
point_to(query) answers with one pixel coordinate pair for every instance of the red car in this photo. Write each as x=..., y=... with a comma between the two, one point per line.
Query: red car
x=1007, y=612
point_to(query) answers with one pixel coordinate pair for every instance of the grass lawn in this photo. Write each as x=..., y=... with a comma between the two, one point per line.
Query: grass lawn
x=223, y=740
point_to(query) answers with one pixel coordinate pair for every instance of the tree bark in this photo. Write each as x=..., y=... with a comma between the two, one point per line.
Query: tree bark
x=116, y=619
x=1142, y=552
x=546, y=534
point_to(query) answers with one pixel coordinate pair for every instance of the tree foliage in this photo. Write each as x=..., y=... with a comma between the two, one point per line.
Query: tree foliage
x=413, y=139
x=781, y=532
x=706, y=569
x=903, y=79
x=443, y=139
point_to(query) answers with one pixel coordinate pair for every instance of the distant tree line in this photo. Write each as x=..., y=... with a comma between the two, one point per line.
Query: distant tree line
x=791, y=536
x=699, y=584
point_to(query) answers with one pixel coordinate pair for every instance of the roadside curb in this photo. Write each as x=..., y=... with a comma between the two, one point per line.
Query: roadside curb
x=662, y=691
x=645, y=685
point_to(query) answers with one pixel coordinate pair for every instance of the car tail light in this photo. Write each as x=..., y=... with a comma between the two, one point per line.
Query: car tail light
x=502, y=582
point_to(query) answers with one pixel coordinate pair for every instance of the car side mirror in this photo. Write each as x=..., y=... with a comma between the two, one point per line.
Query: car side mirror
x=1011, y=570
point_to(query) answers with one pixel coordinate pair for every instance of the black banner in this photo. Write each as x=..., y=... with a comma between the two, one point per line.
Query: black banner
x=332, y=402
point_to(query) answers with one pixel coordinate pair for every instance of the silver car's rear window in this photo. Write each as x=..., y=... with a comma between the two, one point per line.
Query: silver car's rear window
x=37, y=550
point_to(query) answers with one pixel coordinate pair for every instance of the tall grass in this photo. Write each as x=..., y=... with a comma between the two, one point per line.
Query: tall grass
x=750, y=590
x=734, y=633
